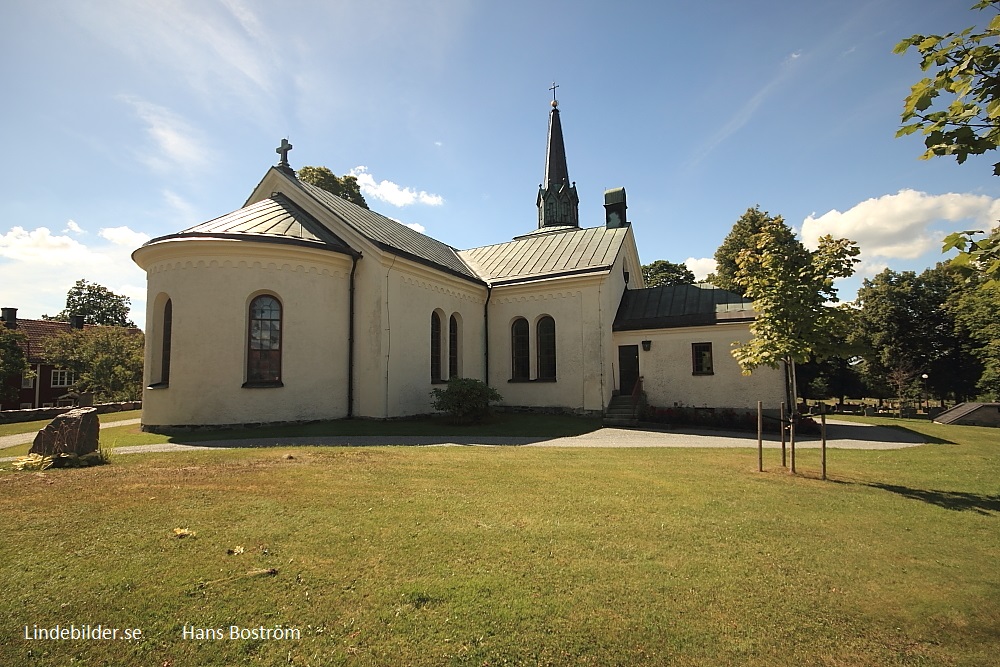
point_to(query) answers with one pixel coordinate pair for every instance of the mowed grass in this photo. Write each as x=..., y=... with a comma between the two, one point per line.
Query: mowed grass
x=513, y=555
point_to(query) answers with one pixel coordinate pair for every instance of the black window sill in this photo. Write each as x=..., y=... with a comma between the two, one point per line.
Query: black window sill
x=526, y=380
x=158, y=385
x=263, y=384
x=439, y=382
x=703, y=373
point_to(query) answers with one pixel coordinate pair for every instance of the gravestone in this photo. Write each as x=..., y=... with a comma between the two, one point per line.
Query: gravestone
x=75, y=432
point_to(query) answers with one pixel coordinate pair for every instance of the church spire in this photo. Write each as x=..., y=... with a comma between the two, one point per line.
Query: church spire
x=557, y=201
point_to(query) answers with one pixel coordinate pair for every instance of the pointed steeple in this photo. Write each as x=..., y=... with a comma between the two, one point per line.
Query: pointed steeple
x=557, y=201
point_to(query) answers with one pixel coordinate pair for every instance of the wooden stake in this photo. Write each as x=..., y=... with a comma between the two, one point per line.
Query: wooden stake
x=791, y=443
x=760, y=436
x=781, y=427
x=822, y=431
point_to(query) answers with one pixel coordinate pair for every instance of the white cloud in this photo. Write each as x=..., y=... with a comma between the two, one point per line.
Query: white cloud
x=391, y=193
x=904, y=225
x=416, y=226
x=71, y=226
x=177, y=145
x=124, y=236
x=700, y=267
x=56, y=261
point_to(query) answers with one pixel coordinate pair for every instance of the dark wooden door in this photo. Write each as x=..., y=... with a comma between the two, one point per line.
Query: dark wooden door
x=628, y=368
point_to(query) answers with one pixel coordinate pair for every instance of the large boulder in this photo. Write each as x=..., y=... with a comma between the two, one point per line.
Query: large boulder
x=75, y=432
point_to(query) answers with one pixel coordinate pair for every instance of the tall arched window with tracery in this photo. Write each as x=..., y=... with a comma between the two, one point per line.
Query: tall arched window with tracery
x=264, y=341
x=546, y=342
x=519, y=350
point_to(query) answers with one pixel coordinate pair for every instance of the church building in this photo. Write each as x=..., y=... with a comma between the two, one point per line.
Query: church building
x=303, y=306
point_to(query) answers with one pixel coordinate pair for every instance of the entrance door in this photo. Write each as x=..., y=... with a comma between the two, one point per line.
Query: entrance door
x=628, y=368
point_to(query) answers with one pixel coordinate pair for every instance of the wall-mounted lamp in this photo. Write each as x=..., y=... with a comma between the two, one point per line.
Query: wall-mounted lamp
x=646, y=344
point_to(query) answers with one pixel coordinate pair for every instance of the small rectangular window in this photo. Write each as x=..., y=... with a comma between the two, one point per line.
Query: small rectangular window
x=27, y=383
x=701, y=359
x=63, y=378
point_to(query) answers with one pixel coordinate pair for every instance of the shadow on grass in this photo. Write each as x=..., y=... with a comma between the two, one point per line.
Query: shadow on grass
x=419, y=430
x=950, y=500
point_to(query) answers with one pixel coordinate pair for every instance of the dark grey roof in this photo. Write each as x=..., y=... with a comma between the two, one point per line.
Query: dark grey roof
x=547, y=253
x=392, y=235
x=680, y=306
x=275, y=220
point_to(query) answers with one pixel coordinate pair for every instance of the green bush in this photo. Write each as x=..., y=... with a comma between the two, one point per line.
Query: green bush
x=466, y=400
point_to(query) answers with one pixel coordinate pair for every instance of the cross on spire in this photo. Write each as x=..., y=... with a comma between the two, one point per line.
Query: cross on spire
x=553, y=87
x=282, y=150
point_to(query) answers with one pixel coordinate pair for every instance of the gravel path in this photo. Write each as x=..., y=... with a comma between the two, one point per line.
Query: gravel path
x=840, y=435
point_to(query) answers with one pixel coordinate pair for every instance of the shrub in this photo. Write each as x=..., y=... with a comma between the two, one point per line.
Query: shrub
x=466, y=400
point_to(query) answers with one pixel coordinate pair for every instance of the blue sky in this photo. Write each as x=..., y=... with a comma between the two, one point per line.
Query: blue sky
x=126, y=120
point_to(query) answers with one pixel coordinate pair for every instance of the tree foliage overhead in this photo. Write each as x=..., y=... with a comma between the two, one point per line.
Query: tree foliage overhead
x=345, y=187
x=106, y=360
x=662, y=273
x=790, y=287
x=97, y=304
x=957, y=109
x=13, y=362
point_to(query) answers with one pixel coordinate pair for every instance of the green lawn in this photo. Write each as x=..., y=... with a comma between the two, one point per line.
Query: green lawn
x=513, y=555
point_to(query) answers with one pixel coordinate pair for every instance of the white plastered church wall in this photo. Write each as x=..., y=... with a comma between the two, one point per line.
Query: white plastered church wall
x=210, y=284
x=414, y=292
x=667, y=369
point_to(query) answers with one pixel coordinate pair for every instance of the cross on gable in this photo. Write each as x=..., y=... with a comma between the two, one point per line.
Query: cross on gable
x=553, y=89
x=282, y=150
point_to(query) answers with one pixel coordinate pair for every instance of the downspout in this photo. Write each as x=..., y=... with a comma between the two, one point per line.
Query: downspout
x=486, y=334
x=350, y=341
x=38, y=385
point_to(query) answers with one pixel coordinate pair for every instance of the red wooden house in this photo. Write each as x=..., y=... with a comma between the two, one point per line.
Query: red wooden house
x=50, y=385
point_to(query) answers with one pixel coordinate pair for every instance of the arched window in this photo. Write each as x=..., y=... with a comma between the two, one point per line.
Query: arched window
x=520, y=362
x=453, y=343
x=168, y=316
x=546, y=341
x=264, y=341
x=435, y=347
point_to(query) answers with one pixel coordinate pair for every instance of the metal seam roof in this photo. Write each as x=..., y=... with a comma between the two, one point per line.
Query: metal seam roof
x=680, y=305
x=534, y=256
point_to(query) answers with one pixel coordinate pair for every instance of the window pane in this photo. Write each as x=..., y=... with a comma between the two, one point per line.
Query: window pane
x=452, y=347
x=435, y=347
x=519, y=350
x=546, y=349
x=264, y=353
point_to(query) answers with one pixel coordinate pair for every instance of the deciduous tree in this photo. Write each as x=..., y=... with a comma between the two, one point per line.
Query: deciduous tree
x=790, y=288
x=661, y=273
x=97, y=304
x=739, y=239
x=345, y=187
x=13, y=362
x=106, y=360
